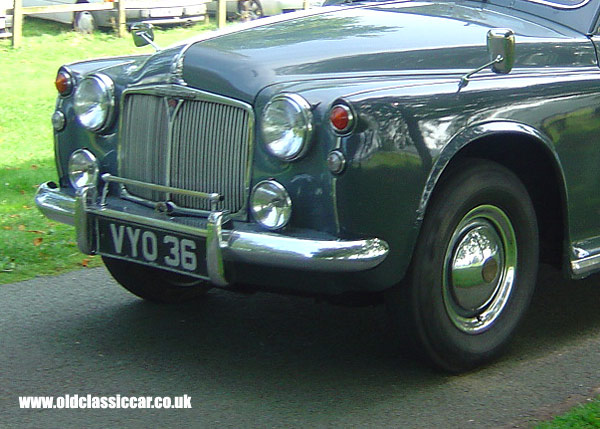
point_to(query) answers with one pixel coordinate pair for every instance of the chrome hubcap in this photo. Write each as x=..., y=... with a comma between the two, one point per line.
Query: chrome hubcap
x=479, y=269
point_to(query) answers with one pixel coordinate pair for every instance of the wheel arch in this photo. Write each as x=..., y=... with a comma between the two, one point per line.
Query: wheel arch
x=531, y=156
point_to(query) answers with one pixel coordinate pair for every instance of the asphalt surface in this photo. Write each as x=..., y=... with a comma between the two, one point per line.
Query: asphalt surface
x=273, y=361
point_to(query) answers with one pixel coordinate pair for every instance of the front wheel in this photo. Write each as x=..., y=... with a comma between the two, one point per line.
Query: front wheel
x=474, y=268
x=154, y=284
x=249, y=10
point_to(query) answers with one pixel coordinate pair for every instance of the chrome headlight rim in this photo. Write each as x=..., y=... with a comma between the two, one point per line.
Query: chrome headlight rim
x=93, y=169
x=107, y=88
x=286, y=213
x=303, y=108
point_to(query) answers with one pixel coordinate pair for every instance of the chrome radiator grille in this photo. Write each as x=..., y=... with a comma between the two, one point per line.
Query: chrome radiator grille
x=186, y=142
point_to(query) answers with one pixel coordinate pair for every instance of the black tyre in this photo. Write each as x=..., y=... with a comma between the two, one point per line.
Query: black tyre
x=250, y=10
x=474, y=268
x=154, y=284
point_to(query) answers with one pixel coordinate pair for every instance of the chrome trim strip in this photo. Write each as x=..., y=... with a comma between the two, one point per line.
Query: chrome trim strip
x=264, y=248
x=560, y=6
x=212, y=197
x=585, y=266
x=178, y=91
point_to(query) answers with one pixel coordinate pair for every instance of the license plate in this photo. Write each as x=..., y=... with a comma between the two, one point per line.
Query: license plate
x=151, y=246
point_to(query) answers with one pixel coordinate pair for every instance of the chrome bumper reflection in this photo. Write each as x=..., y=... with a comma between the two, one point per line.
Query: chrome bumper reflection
x=262, y=248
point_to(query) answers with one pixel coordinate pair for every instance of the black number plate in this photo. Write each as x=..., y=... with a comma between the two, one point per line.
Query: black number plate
x=151, y=246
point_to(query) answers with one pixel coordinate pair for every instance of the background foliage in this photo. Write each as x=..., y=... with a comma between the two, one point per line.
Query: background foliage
x=30, y=244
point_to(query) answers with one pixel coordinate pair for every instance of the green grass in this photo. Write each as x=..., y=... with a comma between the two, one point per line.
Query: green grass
x=582, y=416
x=30, y=244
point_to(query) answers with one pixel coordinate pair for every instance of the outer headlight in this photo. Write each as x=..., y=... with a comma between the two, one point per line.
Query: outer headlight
x=271, y=204
x=83, y=169
x=94, y=102
x=287, y=126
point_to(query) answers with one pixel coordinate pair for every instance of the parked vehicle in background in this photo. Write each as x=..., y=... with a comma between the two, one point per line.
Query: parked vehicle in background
x=248, y=10
x=154, y=11
x=5, y=18
x=426, y=153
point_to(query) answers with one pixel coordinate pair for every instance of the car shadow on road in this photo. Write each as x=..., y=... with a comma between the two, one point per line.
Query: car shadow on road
x=273, y=343
x=562, y=312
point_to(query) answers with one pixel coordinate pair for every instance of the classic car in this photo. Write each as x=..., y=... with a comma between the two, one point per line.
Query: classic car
x=422, y=154
x=154, y=11
x=5, y=18
x=247, y=10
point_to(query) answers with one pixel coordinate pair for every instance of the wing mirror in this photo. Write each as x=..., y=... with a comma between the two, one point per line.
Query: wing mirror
x=501, y=48
x=143, y=34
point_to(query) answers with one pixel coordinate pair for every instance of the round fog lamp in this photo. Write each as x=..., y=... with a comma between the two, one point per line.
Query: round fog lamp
x=83, y=169
x=271, y=205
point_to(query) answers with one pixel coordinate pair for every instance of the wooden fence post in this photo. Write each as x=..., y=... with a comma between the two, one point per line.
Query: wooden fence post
x=17, y=30
x=122, y=19
x=221, y=13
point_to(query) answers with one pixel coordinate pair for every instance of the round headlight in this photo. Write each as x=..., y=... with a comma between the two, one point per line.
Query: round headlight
x=94, y=102
x=83, y=169
x=271, y=204
x=287, y=126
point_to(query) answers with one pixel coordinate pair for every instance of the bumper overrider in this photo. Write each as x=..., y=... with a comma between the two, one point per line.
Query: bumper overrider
x=245, y=243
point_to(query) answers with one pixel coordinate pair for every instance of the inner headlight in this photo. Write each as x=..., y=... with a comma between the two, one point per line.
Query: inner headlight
x=83, y=169
x=287, y=126
x=94, y=102
x=271, y=204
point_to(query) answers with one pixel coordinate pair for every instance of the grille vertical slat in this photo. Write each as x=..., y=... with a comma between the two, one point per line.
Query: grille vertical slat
x=209, y=149
x=145, y=127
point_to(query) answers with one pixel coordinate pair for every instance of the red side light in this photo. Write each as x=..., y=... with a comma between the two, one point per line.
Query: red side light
x=341, y=118
x=64, y=82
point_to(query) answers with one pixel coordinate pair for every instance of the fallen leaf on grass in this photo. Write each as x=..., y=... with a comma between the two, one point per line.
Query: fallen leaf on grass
x=34, y=167
x=85, y=262
x=27, y=207
x=21, y=227
x=8, y=228
x=37, y=241
x=35, y=231
x=14, y=216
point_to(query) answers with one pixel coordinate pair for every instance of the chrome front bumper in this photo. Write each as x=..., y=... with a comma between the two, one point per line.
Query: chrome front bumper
x=254, y=247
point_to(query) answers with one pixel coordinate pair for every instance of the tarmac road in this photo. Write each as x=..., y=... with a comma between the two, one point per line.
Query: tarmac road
x=271, y=361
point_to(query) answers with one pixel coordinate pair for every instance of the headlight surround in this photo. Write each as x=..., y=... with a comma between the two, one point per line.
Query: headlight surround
x=271, y=204
x=287, y=126
x=94, y=102
x=83, y=169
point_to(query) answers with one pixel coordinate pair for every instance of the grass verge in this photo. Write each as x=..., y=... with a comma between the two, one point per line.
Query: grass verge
x=30, y=244
x=582, y=416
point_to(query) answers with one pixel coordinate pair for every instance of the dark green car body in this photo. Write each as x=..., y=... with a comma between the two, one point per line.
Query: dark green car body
x=398, y=67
